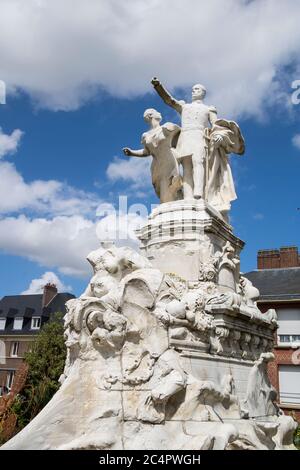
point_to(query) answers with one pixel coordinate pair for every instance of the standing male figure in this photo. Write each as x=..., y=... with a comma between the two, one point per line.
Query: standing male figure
x=191, y=146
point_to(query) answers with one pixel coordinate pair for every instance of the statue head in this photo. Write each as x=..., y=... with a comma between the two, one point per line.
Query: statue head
x=150, y=114
x=101, y=284
x=105, y=259
x=198, y=92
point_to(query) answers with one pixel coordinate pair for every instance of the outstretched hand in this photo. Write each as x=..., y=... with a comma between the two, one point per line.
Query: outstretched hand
x=127, y=151
x=155, y=81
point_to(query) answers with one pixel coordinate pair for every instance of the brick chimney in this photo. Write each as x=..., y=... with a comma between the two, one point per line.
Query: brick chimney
x=268, y=259
x=50, y=291
x=286, y=257
x=289, y=257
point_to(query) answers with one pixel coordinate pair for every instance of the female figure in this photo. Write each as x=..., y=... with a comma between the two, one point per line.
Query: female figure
x=223, y=138
x=158, y=143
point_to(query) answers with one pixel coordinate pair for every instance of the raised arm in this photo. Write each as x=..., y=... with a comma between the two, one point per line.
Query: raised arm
x=165, y=95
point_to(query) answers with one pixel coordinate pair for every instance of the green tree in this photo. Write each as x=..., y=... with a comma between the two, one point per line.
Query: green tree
x=45, y=363
x=297, y=437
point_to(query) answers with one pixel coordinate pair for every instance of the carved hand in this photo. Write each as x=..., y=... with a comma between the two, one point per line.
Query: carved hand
x=127, y=151
x=217, y=140
x=155, y=82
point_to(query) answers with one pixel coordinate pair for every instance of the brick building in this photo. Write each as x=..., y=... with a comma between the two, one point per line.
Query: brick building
x=21, y=317
x=278, y=279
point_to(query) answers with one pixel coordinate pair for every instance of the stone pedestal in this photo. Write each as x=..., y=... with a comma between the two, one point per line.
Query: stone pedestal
x=188, y=238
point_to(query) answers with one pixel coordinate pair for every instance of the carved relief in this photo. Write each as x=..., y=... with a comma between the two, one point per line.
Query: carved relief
x=208, y=271
x=245, y=345
x=261, y=396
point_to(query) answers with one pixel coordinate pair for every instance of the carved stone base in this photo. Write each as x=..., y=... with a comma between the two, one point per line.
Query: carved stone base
x=156, y=361
x=84, y=415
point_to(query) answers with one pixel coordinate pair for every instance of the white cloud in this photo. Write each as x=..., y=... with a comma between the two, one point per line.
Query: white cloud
x=9, y=143
x=64, y=242
x=69, y=224
x=133, y=170
x=63, y=52
x=36, y=285
x=51, y=197
x=62, y=239
x=296, y=141
x=61, y=242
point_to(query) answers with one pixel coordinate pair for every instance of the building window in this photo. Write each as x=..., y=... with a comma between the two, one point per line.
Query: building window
x=18, y=323
x=10, y=378
x=2, y=323
x=289, y=325
x=36, y=323
x=289, y=384
x=288, y=339
x=3, y=390
x=14, y=349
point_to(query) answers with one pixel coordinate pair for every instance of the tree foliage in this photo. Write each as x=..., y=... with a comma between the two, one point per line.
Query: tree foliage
x=45, y=362
x=297, y=437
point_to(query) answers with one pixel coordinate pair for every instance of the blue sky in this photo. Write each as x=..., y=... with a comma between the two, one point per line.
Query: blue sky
x=72, y=141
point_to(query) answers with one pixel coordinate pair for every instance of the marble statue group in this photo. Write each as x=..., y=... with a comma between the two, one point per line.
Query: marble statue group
x=191, y=161
x=166, y=346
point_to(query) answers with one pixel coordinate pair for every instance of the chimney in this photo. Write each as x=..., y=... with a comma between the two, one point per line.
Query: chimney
x=268, y=259
x=50, y=291
x=286, y=257
x=289, y=257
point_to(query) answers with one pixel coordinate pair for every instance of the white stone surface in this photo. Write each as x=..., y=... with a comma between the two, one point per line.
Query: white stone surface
x=203, y=147
x=150, y=354
x=223, y=138
x=190, y=239
x=167, y=349
x=192, y=145
x=158, y=143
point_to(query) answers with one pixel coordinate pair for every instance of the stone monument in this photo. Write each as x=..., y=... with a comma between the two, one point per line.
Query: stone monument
x=167, y=348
